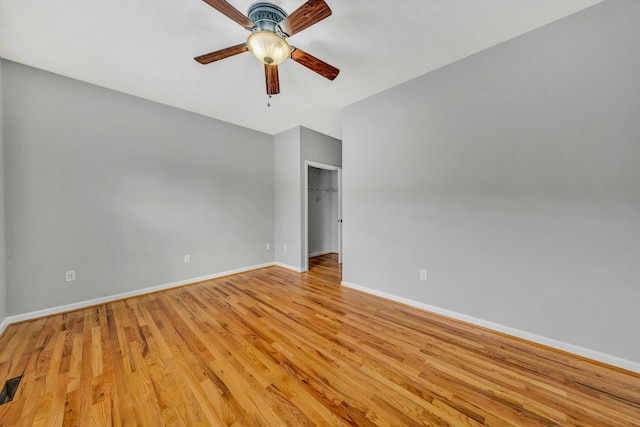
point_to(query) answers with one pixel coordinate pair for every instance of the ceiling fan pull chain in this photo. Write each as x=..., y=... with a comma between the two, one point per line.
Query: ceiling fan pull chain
x=268, y=99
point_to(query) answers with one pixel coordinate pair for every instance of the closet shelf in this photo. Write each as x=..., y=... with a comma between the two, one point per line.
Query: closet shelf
x=323, y=189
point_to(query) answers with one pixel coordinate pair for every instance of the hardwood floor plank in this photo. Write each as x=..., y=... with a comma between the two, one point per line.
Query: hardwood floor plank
x=273, y=348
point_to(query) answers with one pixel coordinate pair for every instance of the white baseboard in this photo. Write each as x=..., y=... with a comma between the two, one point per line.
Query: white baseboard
x=320, y=253
x=106, y=299
x=549, y=342
x=3, y=325
x=290, y=267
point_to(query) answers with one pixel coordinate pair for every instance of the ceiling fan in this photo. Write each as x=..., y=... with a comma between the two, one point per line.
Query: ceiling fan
x=270, y=26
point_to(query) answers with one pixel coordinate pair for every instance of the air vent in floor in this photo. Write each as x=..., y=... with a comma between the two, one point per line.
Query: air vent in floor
x=9, y=390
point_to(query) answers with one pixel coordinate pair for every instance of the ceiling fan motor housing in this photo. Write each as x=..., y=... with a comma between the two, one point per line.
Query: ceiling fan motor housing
x=266, y=16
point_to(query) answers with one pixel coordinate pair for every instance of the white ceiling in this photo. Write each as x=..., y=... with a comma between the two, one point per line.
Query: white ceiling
x=146, y=48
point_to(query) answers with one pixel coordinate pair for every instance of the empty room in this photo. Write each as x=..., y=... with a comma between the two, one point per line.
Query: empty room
x=319, y=213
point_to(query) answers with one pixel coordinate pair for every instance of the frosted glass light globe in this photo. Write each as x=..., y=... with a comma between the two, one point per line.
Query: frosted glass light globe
x=268, y=47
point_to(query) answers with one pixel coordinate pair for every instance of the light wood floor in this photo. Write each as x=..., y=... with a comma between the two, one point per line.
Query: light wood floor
x=273, y=348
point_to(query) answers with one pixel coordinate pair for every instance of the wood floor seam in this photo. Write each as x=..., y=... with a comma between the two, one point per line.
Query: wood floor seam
x=273, y=347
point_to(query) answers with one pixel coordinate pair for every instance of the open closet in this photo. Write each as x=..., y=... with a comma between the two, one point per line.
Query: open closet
x=323, y=211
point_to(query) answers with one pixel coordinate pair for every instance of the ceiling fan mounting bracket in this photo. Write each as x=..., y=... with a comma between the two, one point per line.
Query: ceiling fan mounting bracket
x=267, y=16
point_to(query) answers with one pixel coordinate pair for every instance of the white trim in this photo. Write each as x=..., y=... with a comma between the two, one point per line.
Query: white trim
x=340, y=248
x=305, y=249
x=110, y=298
x=320, y=253
x=290, y=267
x=549, y=342
x=321, y=165
x=4, y=324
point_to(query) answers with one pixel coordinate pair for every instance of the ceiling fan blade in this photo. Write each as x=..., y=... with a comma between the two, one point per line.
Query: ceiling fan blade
x=313, y=11
x=230, y=12
x=271, y=78
x=314, y=64
x=221, y=54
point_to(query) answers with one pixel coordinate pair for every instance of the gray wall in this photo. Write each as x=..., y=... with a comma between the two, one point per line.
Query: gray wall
x=287, y=198
x=119, y=189
x=320, y=148
x=513, y=177
x=292, y=149
x=3, y=276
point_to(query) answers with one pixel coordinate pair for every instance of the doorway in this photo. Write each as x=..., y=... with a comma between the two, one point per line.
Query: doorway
x=323, y=211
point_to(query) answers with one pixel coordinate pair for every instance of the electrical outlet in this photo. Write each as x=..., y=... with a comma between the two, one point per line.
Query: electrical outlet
x=423, y=274
x=70, y=275
x=187, y=258
x=268, y=246
x=285, y=247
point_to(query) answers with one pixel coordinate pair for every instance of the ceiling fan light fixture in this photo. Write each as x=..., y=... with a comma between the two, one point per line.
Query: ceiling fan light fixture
x=268, y=47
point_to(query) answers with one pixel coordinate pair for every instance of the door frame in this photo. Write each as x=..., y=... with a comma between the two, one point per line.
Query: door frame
x=305, y=249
